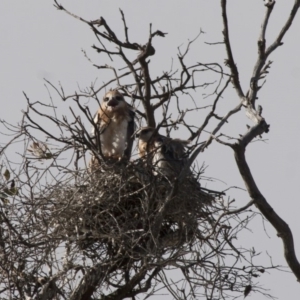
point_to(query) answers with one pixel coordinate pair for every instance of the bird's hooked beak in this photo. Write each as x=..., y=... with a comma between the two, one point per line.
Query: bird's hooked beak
x=143, y=133
x=136, y=134
x=113, y=102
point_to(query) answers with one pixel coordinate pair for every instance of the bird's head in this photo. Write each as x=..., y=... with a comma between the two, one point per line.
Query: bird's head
x=145, y=133
x=113, y=101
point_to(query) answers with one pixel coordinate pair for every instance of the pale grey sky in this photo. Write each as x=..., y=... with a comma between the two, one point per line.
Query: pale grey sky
x=37, y=42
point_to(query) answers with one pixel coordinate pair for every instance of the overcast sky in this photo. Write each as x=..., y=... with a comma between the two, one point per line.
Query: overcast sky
x=37, y=42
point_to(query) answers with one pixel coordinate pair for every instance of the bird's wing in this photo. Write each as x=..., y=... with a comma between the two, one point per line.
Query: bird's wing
x=170, y=155
x=101, y=126
x=130, y=134
x=97, y=129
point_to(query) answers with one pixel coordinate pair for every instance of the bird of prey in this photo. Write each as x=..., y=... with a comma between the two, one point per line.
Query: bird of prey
x=114, y=127
x=167, y=155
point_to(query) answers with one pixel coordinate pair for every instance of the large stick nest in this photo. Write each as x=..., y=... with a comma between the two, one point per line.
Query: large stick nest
x=115, y=208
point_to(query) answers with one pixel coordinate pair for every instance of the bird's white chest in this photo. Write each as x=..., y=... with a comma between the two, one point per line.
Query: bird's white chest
x=114, y=138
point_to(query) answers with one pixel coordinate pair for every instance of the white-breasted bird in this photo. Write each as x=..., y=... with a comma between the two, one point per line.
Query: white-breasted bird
x=115, y=127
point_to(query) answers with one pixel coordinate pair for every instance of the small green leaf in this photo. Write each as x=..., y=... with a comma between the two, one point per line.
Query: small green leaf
x=4, y=200
x=11, y=192
x=2, y=195
x=14, y=191
x=6, y=175
x=48, y=156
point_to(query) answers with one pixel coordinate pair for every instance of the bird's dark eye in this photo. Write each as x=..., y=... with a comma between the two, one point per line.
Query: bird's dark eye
x=106, y=99
x=119, y=98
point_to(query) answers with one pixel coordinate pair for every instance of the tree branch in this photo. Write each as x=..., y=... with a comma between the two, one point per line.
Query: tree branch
x=230, y=61
x=282, y=228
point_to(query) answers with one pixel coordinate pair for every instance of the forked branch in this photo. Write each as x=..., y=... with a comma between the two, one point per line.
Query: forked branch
x=282, y=228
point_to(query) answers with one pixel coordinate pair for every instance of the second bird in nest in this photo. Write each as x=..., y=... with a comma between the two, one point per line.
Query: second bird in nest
x=167, y=156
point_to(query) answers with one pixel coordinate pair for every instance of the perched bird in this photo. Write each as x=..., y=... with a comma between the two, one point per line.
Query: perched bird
x=168, y=156
x=115, y=127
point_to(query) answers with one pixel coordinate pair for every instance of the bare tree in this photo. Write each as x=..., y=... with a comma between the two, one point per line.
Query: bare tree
x=124, y=231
